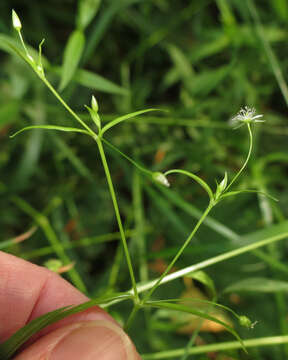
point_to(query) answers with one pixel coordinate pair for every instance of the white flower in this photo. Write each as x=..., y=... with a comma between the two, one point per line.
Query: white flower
x=245, y=116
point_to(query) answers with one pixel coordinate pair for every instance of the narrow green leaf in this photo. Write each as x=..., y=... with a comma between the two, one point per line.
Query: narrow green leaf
x=51, y=127
x=205, y=279
x=232, y=193
x=87, y=9
x=263, y=285
x=126, y=117
x=190, y=310
x=97, y=82
x=201, y=182
x=72, y=56
x=12, y=46
x=10, y=346
x=94, y=81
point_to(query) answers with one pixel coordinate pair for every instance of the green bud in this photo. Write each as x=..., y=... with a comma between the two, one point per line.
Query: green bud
x=94, y=104
x=94, y=115
x=16, y=21
x=53, y=264
x=160, y=178
x=245, y=321
x=223, y=183
x=222, y=186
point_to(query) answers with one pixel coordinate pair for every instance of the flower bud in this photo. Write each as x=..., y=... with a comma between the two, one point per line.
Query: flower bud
x=245, y=321
x=223, y=183
x=16, y=21
x=161, y=178
x=94, y=104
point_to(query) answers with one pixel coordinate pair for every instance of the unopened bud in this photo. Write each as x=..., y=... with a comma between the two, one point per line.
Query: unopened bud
x=161, y=178
x=94, y=104
x=223, y=183
x=16, y=21
x=245, y=321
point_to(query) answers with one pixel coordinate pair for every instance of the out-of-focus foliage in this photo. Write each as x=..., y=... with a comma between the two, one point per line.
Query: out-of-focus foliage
x=202, y=61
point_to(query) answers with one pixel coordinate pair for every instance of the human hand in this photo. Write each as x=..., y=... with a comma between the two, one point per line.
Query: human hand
x=28, y=291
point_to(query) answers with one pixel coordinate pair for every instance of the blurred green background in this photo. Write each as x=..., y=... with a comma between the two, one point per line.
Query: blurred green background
x=202, y=61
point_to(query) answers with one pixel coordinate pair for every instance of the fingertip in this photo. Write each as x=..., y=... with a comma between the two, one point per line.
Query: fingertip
x=83, y=340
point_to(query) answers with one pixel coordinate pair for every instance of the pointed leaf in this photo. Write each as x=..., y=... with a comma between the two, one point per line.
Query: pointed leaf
x=126, y=117
x=201, y=182
x=51, y=127
x=72, y=56
x=94, y=81
x=11, y=46
x=201, y=314
x=205, y=279
x=232, y=193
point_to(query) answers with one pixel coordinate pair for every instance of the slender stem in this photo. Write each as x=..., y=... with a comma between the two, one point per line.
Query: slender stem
x=224, y=346
x=183, y=247
x=118, y=217
x=212, y=261
x=108, y=177
x=247, y=159
x=67, y=107
x=139, y=167
x=131, y=317
x=23, y=44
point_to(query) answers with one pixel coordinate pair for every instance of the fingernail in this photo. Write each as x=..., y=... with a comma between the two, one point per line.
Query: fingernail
x=94, y=340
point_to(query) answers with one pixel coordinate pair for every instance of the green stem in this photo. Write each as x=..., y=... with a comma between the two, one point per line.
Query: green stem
x=139, y=167
x=224, y=346
x=179, y=253
x=247, y=159
x=118, y=217
x=67, y=107
x=23, y=44
x=212, y=261
x=108, y=177
x=131, y=317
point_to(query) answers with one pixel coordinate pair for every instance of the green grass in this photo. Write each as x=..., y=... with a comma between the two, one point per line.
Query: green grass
x=202, y=62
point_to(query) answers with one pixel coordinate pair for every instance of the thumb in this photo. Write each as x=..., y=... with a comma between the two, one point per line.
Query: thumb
x=87, y=340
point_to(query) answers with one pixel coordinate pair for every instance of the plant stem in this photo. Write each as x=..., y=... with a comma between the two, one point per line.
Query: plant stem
x=108, y=177
x=224, y=346
x=247, y=159
x=183, y=247
x=212, y=261
x=118, y=217
x=169, y=267
x=131, y=317
x=67, y=107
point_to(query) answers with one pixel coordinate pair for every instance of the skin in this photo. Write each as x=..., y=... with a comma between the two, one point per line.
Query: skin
x=28, y=291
